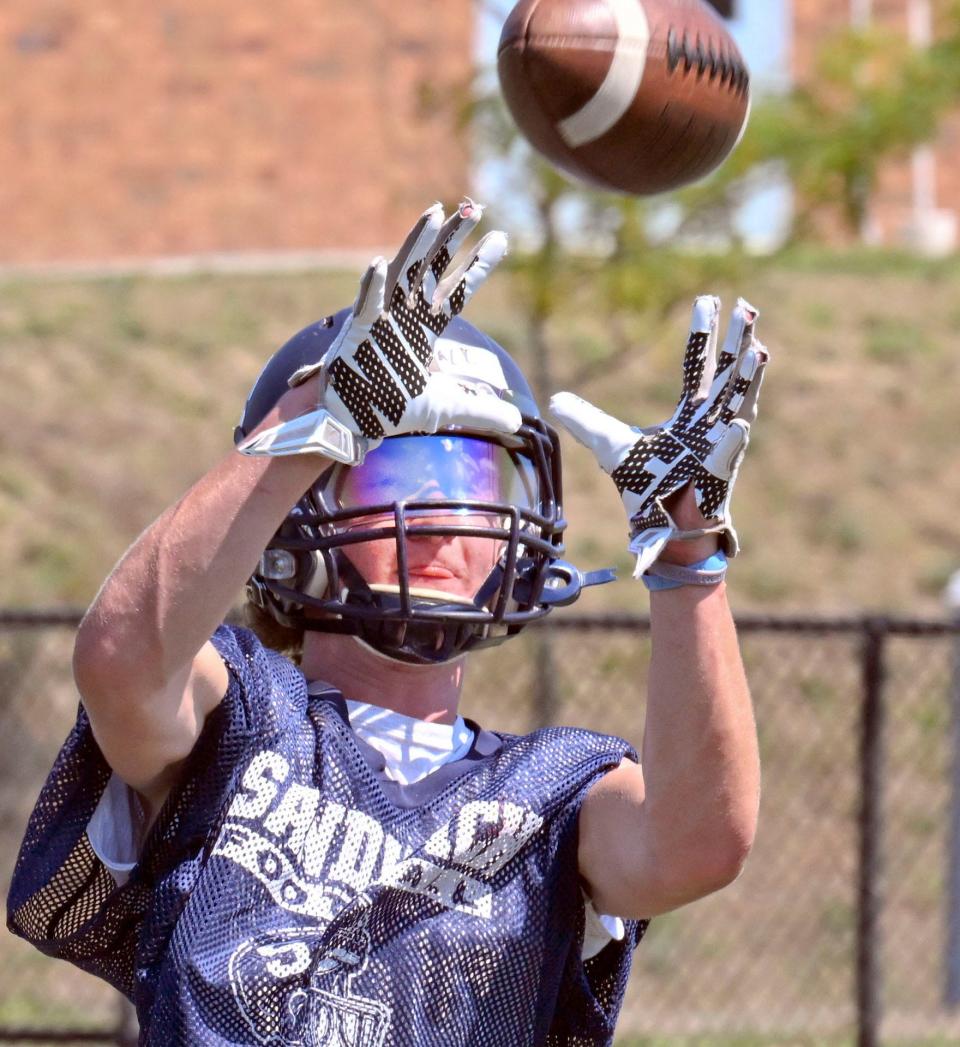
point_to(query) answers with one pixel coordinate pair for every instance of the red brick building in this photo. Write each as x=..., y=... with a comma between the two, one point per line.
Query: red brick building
x=132, y=129
x=918, y=200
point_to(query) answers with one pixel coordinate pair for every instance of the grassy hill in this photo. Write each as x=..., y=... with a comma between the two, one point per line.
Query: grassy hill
x=117, y=393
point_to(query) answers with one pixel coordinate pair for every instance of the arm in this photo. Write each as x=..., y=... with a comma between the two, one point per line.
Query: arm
x=146, y=672
x=679, y=826
x=147, y=675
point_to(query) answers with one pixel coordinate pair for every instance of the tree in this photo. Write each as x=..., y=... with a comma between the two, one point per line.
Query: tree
x=872, y=98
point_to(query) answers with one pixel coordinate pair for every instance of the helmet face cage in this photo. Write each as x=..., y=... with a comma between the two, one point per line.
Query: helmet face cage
x=317, y=539
x=307, y=580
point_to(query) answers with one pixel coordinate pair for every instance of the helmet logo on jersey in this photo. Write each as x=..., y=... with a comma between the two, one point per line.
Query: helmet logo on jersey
x=333, y=1017
x=322, y=1011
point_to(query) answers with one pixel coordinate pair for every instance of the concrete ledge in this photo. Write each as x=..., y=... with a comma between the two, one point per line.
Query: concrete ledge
x=187, y=265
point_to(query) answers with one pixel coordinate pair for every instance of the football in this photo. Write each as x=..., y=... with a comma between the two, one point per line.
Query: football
x=637, y=96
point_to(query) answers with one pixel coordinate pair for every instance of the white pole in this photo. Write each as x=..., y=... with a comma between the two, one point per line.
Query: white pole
x=860, y=12
x=920, y=23
x=924, y=160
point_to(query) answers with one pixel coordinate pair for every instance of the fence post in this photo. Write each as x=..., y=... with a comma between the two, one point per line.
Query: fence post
x=545, y=685
x=952, y=958
x=869, y=966
x=128, y=1028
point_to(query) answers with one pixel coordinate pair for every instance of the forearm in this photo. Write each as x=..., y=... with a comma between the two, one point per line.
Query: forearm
x=700, y=756
x=175, y=584
x=177, y=581
x=658, y=836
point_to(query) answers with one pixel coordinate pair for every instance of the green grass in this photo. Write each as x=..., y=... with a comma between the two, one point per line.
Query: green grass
x=708, y=1040
x=116, y=393
x=866, y=261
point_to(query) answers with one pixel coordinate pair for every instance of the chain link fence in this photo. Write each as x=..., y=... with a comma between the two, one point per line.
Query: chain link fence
x=845, y=926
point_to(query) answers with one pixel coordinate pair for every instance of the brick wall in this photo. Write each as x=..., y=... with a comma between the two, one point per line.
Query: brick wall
x=180, y=126
x=813, y=20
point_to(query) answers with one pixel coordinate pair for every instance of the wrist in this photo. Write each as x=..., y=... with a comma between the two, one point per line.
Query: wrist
x=710, y=571
x=691, y=550
x=296, y=401
x=285, y=478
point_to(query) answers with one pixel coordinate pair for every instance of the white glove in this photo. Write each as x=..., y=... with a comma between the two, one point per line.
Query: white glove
x=703, y=442
x=375, y=377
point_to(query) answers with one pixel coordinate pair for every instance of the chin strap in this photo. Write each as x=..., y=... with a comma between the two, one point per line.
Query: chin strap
x=556, y=593
x=564, y=583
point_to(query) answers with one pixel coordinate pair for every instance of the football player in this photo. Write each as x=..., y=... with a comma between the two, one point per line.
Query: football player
x=314, y=847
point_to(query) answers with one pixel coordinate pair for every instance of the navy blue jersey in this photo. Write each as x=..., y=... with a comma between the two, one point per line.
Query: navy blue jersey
x=291, y=894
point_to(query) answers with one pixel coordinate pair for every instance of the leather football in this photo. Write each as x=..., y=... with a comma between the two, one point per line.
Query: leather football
x=637, y=96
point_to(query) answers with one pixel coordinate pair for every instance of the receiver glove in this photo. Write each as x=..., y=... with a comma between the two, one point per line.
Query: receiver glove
x=375, y=378
x=702, y=443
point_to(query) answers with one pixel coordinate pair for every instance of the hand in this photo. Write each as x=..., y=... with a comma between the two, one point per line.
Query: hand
x=701, y=445
x=375, y=380
x=683, y=510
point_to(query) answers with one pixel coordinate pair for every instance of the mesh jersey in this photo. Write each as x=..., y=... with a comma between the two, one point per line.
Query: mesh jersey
x=290, y=894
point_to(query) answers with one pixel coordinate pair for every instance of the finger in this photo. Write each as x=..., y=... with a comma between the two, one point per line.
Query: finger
x=725, y=456
x=608, y=438
x=415, y=247
x=370, y=298
x=747, y=411
x=461, y=225
x=483, y=413
x=700, y=358
x=739, y=333
x=733, y=403
x=456, y=289
x=448, y=241
x=733, y=370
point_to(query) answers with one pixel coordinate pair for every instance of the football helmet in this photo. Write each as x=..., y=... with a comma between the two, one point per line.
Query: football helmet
x=500, y=492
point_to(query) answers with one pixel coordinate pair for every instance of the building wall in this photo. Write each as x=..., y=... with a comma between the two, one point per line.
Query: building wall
x=813, y=21
x=135, y=129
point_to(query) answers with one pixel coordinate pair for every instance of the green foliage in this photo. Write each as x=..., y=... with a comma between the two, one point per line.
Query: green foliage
x=872, y=97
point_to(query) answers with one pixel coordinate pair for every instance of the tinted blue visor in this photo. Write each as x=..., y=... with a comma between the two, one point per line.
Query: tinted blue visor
x=427, y=468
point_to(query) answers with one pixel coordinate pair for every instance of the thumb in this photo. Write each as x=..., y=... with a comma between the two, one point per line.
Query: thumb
x=725, y=457
x=446, y=401
x=487, y=414
x=608, y=438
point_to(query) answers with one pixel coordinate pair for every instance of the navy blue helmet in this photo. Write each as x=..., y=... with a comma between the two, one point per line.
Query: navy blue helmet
x=503, y=490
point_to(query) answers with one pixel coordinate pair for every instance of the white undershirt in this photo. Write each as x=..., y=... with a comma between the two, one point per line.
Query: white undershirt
x=411, y=748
